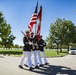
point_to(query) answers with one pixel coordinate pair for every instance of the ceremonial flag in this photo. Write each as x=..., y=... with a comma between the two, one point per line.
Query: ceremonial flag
x=39, y=24
x=33, y=19
x=40, y=13
x=38, y=28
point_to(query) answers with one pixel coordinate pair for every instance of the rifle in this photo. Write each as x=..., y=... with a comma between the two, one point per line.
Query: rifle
x=23, y=33
x=27, y=38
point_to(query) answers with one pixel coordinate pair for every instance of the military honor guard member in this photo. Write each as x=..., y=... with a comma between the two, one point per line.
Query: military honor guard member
x=33, y=51
x=38, y=52
x=26, y=52
x=33, y=48
x=41, y=44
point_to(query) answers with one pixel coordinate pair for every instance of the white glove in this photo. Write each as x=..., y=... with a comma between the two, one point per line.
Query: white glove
x=30, y=43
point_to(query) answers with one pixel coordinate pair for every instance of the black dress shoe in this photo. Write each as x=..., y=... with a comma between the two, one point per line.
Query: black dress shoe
x=26, y=65
x=20, y=67
x=41, y=65
x=30, y=68
x=37, y=67
x=46, y=63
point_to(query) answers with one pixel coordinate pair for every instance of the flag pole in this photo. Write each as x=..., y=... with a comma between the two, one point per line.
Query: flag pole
x=37, y=14
x=40, y=18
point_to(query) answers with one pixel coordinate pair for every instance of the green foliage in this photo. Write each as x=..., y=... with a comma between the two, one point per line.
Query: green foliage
x=16, y=46
x=62, y=32
x=5, y=33
x=11, y=52
x=1, y=17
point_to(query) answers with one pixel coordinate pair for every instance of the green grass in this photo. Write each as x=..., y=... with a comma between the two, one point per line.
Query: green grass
x=48, y=53
x=53, y=53
x=11, y=52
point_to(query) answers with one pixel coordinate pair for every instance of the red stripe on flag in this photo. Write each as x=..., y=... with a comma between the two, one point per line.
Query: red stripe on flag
x=33, y=19
x=38, y=29
x=39, y=24
x=40, y=13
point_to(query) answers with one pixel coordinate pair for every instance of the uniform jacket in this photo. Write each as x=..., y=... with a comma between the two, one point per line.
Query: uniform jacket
x=26, y=40
x=41, y=44
x=34, y=41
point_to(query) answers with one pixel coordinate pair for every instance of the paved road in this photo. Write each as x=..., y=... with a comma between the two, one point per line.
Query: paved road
x=58, y=66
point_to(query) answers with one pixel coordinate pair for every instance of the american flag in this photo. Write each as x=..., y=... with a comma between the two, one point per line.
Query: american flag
x=33, y=19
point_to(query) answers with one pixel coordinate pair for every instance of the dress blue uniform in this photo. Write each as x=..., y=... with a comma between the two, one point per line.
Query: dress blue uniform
x=41, y=44
x=26, y=52
x=34, y=53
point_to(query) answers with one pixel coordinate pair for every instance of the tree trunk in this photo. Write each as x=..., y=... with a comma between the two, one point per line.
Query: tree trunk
x=61, y=46
x=57, y=50
x=68, y=47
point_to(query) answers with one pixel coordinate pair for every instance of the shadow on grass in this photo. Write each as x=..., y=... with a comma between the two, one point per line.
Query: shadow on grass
x=54, y=70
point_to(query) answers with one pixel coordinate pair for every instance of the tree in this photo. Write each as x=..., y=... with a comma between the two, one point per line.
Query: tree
x=50, y=39
x=56, y=34
x=5, y=33
x=1, y=18
x=70, y=32
x=16, y=46
x=74, y=38
x=9, y=43
x=62, y=32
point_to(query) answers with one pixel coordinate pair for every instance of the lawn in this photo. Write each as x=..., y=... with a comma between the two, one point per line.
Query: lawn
x=48, y=53
x=53, y=53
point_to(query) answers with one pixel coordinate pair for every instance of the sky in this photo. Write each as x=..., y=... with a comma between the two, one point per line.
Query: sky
x=17, y=13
